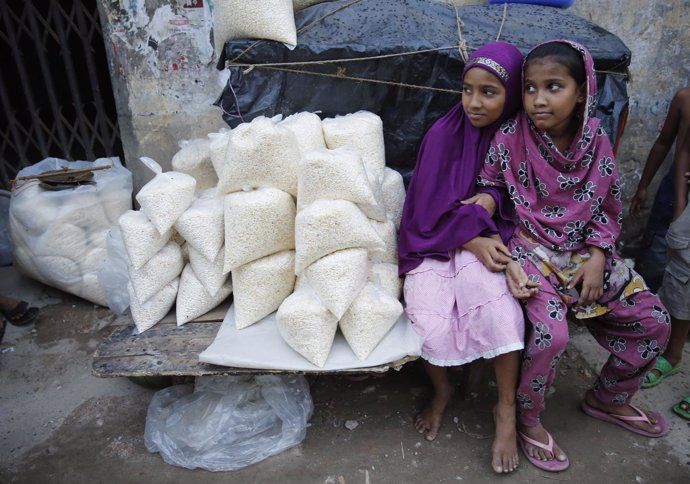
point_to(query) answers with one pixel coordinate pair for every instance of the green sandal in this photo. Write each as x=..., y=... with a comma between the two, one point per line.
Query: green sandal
x=664, y=368
x=682, y=408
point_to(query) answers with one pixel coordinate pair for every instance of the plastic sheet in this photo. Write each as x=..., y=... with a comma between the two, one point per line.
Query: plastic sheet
x=228, y=422
x=378, y=32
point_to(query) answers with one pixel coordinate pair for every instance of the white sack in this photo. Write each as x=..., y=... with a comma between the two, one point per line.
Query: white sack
x=254, y=19
x=261, y=286
x=336, y=174
x=385, y=277
x=307, y=129
x=142, y=240
x=393, y=195
x=166, y=196
x=257, y=224
x=148, y=313
x=338, y=278
x=260, y=154
x=363, y=131
x=201, y=225
x=193, y=300
x=209, y=273
x=194, y=159
x=370, y=316
x=329, y=225
x=389, y=235
x=162, y=268
x=307, y=326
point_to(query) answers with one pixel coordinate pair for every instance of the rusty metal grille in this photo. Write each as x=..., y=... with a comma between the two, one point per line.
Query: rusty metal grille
x=55, y=92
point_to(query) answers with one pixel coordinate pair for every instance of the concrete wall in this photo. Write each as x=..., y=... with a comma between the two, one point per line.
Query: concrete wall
x=165, y=81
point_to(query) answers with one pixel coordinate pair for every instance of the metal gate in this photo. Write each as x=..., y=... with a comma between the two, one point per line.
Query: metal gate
x=55, y=93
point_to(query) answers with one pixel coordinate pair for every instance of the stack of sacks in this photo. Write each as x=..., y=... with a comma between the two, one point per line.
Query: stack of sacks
x=194, y=159
x=218, y=147
x=335, y=241
x=155, y=260
x=204, y=283
x=59, y=237
x=259, y=177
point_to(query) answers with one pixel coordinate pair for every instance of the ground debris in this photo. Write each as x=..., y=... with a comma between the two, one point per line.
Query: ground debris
x=351, y=424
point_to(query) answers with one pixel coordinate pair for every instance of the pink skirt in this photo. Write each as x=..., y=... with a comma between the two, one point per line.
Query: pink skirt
x=462, y=310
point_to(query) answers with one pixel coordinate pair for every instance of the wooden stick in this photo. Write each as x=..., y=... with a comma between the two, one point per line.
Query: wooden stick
x=62, y=171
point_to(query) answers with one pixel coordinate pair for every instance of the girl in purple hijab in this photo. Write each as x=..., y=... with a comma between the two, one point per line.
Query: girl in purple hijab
x=453, y=254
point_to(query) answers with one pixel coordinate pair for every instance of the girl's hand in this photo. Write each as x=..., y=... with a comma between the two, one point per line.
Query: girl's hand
x=490, y=251
x=484, y=200
x=518, y=282
x=638, y=201
x=591, y=275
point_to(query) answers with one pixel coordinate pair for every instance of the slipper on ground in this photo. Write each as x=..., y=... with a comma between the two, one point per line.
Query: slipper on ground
x=682, y=408
x=21, y=315
x=553, y=465
x=625, y=420
x=665, y=370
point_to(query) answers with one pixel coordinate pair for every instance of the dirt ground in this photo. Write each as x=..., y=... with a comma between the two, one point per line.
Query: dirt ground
x=60, y=424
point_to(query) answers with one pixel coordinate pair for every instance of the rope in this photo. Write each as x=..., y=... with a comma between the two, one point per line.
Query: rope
x=462, y=45
x=503, y=20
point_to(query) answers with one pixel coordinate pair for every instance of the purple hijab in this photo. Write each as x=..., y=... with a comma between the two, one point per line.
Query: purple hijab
x=450, y=157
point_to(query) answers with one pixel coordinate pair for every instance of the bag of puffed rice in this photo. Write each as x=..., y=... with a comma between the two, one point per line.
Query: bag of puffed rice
x=261, y=153
x=364, y=132
x=209, y=273
x=370, y=316
x=393, y=195
x=194, y=159
x=326, y=226
x=166, y=196
x=218, y=148
x=201, y=225
x=255, y=19
x=261, y=286
x=338, y=278
x=336, y=174
x=162, y=268
x=257, y=223
x=307, y=129
x=142, y=240
x=193, y=300
x=385, y=277
x=146, y=314
x=389, y=235
x=307, y=326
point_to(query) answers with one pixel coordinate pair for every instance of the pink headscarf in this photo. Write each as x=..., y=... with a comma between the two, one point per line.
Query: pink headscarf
x=566, y=201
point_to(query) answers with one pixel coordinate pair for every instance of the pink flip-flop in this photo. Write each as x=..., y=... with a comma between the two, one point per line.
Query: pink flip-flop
x=553, y=465
x=622, y=420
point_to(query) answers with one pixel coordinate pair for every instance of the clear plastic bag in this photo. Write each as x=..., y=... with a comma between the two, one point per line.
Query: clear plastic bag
x=227, y=423
x=114, y=275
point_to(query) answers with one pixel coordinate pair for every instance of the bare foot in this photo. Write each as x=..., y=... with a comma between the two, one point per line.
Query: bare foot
x=625, y=410
x=428, y=422
x=538, y=433
x=504, y=455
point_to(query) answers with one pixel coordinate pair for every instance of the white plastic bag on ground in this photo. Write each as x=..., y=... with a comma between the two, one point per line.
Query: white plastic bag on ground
x=194, y=159
x=161, y=269
x=142, y=240
x=307, y=129
x=228, y=422
x=255, y=19
x=393, y=195
x=363, y=131
x=338, y=278
x=257, y=224
x=389, y=235
x=261, y=286
x=385, y=277
x=58, y=237
x=201, y=225
x=307, y=326
x=193, y=300
x=260, y=154
x=329, y=225
x=146, y=314
x=166, y=196
x=336, y=174
x=370, y=316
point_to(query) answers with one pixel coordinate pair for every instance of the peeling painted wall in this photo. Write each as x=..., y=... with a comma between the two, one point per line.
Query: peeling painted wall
x=165, y=81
